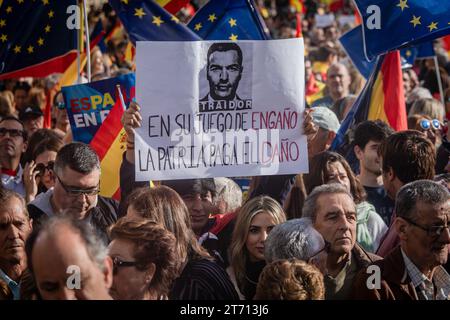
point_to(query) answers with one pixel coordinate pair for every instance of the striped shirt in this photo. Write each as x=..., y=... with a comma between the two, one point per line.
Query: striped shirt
x=438, y=288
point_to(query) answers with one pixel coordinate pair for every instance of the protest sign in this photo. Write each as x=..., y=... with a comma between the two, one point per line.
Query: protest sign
x=89, y=104
x=215, y=109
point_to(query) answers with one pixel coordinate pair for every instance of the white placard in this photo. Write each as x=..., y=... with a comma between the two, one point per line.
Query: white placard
x=324, y=20
x=220, y=109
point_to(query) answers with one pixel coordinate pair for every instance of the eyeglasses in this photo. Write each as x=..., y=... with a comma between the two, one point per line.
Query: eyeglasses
x=426, y=124
x=40, y=167
x=60, y=105
x=118, y=263
x=76, y=192
x=12, y=132
x=433, y=231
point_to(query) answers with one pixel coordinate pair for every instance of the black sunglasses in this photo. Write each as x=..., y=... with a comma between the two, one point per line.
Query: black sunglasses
x=433, y=231
x=60, y=105
x=40, y=167
x=76, y=192
x=12, y=132
x=118, y=263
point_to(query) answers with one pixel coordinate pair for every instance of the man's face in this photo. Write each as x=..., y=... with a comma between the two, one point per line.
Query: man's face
x=369, y=158
x=199, y=206
x=336, y=221
x=12, y=143
x=338, y=82
x=53, y=255
x=426, y=249
x=65, y=192
x=20, y=98
x=15, y=227
x=32, y=124
x=224, y=73
x=318, y=143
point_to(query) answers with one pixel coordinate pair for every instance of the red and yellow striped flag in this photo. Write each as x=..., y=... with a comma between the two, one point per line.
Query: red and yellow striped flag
x=173, y=6
x=110, y=142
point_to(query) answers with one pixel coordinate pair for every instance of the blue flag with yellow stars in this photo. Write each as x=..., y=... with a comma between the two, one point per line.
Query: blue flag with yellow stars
x=393, y=24
x=37, y=38
x=145, y=20
x=229, y=20
x=352, y=42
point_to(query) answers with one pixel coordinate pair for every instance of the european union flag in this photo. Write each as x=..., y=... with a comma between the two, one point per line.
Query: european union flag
x=425, y=50
x=35, y=39
x=393, y=24
x=145, y=20
x=229, y=20
x=352, y=42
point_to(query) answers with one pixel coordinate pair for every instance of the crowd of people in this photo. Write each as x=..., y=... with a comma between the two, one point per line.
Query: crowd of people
x=311, y=236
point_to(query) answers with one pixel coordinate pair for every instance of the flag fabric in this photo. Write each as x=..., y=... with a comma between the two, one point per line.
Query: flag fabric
x=229, y=20
x=408, y=56
x=145, y=20
x=352, y=42
x=298, y=6
x=391, y=24
x=382, y=98
x=35, y=39
x=425, y=50
x=333, y=5
x=172, y=6
x=98, y=36
x=109, y=143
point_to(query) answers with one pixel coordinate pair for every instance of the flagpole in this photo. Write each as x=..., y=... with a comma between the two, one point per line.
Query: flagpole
x=88, y=49
x=78, y=56
x=438, y=75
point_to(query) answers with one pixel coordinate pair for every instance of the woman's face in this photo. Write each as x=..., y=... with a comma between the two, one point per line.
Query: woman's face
x=260, y=226
x=129, y=283
x=337, y=174
x=45, y=158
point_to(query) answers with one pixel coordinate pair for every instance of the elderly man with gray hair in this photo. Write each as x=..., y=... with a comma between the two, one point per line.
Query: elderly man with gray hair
x=333, y=214
x=69, y=261
x=413, y=270
x=298, y=239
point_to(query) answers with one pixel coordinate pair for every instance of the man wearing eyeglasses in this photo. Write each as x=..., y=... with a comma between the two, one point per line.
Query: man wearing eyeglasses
x=413, y=270
x=77, y=172
x=13, y=142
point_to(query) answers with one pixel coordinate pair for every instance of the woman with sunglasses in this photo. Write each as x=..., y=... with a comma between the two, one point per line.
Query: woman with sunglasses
x=61, y=120
x=145, y=262
x=38, y=174
x=430, y=127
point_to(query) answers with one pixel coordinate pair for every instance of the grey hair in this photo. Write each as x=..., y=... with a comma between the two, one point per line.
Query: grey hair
x=427, y=191
x=228, y=191
x=294, y=238
x=95, y=246
x=310, y=206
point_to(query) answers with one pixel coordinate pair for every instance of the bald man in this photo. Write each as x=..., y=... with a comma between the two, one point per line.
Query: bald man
x=337, y=85
x=69, y=262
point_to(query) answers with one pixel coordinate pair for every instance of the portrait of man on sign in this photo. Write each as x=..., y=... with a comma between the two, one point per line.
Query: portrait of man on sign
x=224, y=71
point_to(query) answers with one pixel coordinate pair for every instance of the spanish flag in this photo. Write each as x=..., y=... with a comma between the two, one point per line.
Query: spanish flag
x=110, y=143
x=173, y=6
x=382, y=98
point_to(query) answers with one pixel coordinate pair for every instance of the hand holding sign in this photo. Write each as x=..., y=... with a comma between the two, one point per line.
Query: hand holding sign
x=131, y=119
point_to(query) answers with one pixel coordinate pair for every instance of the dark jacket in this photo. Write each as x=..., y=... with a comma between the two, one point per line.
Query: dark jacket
x=395, y=281
x=103, y=215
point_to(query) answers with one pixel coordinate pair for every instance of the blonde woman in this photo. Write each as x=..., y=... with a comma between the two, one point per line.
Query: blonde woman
x=254, y=222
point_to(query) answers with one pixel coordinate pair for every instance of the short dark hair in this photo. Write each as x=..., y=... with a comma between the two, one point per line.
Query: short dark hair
x=225, y=46
x=409, y=154
x=426, y=191
x=22, y=85
x=192, y=186
x=13, y=118
x=77, y=156
x=370, y=130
